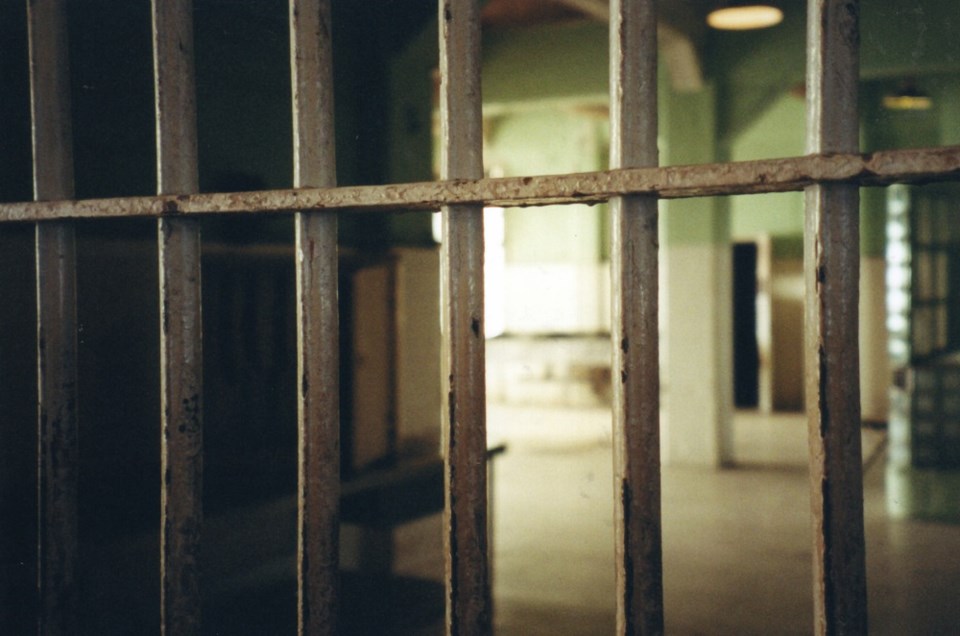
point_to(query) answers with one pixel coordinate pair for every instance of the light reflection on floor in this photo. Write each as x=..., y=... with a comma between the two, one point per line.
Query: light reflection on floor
x=736, y=542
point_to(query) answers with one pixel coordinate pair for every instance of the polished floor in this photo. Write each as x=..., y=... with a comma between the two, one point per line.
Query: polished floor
x=736, y=548
x=736, y=541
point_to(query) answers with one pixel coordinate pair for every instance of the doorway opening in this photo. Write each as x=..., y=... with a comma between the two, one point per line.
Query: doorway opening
x=746, y=353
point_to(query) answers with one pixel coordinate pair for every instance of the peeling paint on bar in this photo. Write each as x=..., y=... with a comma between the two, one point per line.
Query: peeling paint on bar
x=58, y=428
x=634, y=332
x=318, y=355
x=831, y=271
x=181, y=372
x=468, y=595
x=923, y=165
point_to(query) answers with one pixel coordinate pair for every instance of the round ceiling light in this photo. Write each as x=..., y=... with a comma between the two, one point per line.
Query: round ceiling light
x=742, y=17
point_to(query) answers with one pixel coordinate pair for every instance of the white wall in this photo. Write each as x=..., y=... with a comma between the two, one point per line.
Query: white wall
x=553, y=298
x=696, y=330
x=554, y=271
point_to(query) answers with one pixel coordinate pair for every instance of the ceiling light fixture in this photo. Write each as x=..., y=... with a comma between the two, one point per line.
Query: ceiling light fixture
x=743, y=16
x=907, y=97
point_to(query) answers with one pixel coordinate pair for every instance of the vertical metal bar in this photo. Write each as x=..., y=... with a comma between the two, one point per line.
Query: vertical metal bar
x=633, y=121
x=465, y=475
x=56, y=321
x=181, y=373
x=318, y=354
x=832, y=273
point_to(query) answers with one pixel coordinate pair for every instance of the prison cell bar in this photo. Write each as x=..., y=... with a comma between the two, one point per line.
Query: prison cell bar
x=56, y=322
x=831, y=248
x=635, y=346
x=181, y=373
x=318, y=366
x=915, y=165
x=467, y=580
x=832, y=275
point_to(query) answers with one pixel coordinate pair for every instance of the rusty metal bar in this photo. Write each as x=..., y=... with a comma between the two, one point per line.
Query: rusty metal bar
x=634, y=263
x=923, y=165
x=181, y=373
x=58, y=429
x=832, y=274
x=468, y=606
x=318, y=354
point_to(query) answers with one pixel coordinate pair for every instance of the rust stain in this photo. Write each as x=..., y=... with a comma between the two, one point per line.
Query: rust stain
x=823, y=403
x=851, y=34
x=626, y=502
x=453, y=416
x=825, y=542
x=454, y=557
x=304, y=577
x=918, y=166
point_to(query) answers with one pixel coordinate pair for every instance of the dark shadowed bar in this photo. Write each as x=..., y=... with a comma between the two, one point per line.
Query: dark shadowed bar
x=181, y=373
x=318, y=352
x=832, y=274
x=56, y=321
x=636, y=370
x=465, y=519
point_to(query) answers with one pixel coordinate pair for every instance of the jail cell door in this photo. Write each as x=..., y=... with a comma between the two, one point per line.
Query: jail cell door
x=923, y=318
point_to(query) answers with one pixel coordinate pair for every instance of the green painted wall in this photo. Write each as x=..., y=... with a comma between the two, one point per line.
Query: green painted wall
x=898, y=39
x=564, y=68
x=545, y=92
x=756, y=72
x=553, y=62
x=950, y=113
x=777, y=132
x=688, y=136
x=753, y=69
x=550, y=140
x=747, y=111
x=901, y=37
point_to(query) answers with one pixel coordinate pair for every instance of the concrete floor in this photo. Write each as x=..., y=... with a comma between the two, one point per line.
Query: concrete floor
x=736, y=541
x=736, y=544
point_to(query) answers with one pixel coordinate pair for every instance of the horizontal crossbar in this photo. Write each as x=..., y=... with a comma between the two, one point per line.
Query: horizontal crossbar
x=671, y=182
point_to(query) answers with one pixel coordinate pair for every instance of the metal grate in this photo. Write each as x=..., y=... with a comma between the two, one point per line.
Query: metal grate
x=830, y=175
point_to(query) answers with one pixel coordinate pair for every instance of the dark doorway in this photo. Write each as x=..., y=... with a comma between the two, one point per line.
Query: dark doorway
x=746, y=359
